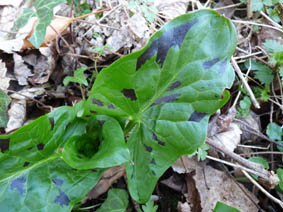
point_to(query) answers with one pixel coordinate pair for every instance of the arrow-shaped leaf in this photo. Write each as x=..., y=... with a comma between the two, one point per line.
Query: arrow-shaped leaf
x=167, y=91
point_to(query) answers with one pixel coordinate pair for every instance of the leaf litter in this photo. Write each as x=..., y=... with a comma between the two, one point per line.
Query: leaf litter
x=120, y=32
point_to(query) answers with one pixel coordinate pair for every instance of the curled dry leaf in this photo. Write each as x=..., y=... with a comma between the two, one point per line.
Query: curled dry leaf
x=17, y=115
x=214, y=186
x=21, y=70
x=108, y=178
x=230, y=138
x=4, y=81
x=172, y=8
x=59, y=25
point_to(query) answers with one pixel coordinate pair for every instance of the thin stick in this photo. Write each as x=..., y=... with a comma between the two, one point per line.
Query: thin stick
x=248, y=55
x=229, y=6
x=246, y=85
x=249, y=9
x=262, y=189
x=270, y=20
x=233, y=165
x=254, y=23
x=261, y=153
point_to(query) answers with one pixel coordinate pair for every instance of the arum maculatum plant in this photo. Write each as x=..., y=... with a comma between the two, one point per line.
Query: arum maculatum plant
x=161, y=97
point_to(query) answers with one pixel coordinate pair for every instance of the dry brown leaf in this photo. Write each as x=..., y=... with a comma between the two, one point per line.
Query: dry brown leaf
x=214, y=186
x=108, y=178
x=184, y=207
x=230, y=138
x=21, y=71
x=17, y=114
x=4, y=81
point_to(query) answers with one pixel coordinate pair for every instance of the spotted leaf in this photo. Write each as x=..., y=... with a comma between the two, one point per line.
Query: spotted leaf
x=167, y=91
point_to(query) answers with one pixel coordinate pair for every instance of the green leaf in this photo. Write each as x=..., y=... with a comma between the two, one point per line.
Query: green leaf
x=149, y=207
x=78, y=77
x=244, y=109
x=280, y=176
x=272, y=46
x=262, y=72
x=222, y=207
x=258, y=5
x=117, y=201
x=274, y=131
x=32, y=171
x=202, y=152
x=4, y=102
x=86, y=151
x=23, y=19
x=167, y=91
x=44, y=12
x=261, y=161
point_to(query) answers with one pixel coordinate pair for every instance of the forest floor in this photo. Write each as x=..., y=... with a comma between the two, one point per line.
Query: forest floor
x=253, y=117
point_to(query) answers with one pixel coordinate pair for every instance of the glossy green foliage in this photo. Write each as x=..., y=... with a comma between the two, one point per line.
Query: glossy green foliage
x=117, y=201
x=222, y=207
x=78, y=77
x=102, y=145
x=44, y=12
x=33, y=176
x=167, y=91
x=4, y=102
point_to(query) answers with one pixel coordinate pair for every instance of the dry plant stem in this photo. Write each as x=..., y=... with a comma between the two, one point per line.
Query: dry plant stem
x=262, y=189
x=248, y=55
x=281, y=106
x=281, y=89
x=249, y=9
x=257, y=24
x=233, y=165
x=270, y=20
x=67, y=44
x=229, y=6
x=100, y=20
x=259, y=134
x=246, y=85
x=32, y=99
x=255, y=167
x=261, y=153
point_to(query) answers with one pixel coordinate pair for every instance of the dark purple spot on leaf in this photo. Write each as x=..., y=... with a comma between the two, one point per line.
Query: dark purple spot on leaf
x=208, y=64
x=165, y=99
x=223, y=66
x=101, y=122
x=26, y=164
x=62, y=199
x=175, y=85
x=57, y=181
x=92, y=111
x=172, y=37
x=94, y=170
x=153, y=172
x=154, y=137
x=40, y=146
x=110, y=106
x=88, y=116
x=161, y=143
x=130, y=94
x=196, y=116
x=153, y=161
x=97, y=102
x=148, y=148
x=4, y=144
x=51, y=119
x=18, y=184
x=68, y=125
